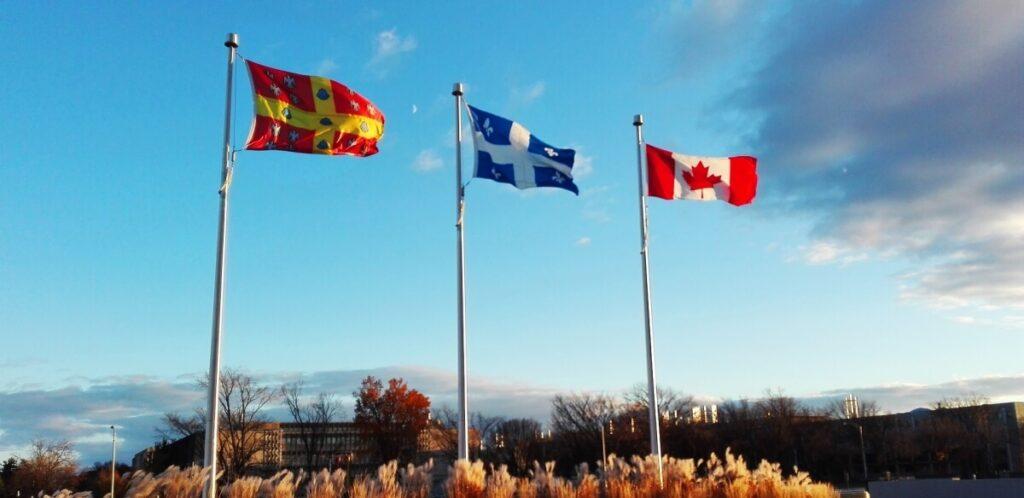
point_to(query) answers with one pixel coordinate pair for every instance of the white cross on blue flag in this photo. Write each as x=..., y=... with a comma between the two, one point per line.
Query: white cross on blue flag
x=507, y=152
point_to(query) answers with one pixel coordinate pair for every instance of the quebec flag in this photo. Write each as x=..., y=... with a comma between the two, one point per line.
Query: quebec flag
x=507, y=152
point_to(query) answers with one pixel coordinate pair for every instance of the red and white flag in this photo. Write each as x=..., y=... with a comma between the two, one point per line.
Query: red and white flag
x=675, y=176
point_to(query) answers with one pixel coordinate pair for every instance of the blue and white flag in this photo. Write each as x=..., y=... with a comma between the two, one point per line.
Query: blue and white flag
x=507, y=152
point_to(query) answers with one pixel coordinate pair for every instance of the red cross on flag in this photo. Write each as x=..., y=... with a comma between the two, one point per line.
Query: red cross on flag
x=677, y=176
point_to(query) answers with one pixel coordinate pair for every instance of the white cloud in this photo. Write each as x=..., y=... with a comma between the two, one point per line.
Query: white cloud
x=597, y=204
x=583, y=242
x=915, y=147
x=388, y=46
x=415, y=109
x=427, y=160
x=583, y=166
x=824, y=252
x=900, y=397
x=326, y=66
x=528, y=94
x=82, y=412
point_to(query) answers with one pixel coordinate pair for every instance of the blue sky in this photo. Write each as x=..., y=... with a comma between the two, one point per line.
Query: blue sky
x=868, y=262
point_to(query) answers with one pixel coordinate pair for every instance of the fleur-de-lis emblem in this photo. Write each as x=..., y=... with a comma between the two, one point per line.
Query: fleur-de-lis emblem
x=551, y=152
x=354, y=104
x=294, y=98
x=488, y=129
x=276, y=90
x=370, y=109
x=270, y=146
x=275, y=129
x=289, y=81
x=495, y=173
x=558, y=178
x=293, y=136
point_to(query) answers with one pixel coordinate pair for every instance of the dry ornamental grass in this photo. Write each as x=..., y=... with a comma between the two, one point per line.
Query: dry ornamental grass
x=727, y=477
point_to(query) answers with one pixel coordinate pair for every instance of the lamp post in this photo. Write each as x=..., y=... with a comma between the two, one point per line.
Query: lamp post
x=113, y=459
x=863, y=454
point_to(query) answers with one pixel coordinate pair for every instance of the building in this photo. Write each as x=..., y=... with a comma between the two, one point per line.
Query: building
x=286, y=445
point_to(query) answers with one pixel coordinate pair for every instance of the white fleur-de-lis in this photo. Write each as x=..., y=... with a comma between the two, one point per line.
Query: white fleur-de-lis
x=289, y=81
x=275, y=129
x=275, y=89
x=551, y=152
x=558, y=178
x=293, y=136
x=487, y=127
x=495, y=173
x=354, y=104
x=370, y=109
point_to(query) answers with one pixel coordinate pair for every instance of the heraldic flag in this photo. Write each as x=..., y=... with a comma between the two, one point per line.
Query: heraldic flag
x=312, y=114
x=675, y=176
x=507, y=152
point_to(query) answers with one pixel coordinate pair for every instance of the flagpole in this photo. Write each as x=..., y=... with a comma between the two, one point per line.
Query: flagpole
x=210, y=449
x=652, y=390
x=463, y=430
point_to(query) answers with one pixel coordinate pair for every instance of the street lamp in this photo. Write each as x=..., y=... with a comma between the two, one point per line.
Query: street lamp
x=863, y=455
x=113, y=459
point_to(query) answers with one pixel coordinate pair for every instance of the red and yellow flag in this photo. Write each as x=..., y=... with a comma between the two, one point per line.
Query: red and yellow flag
x=311, y=114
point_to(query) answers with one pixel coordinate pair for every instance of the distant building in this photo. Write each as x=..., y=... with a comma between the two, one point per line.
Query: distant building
x=283, y=445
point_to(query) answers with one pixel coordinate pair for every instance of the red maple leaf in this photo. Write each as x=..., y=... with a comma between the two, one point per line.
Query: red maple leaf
x=698, y=178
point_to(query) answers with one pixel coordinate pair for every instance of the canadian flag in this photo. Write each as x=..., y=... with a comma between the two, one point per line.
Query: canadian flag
x=675, y=176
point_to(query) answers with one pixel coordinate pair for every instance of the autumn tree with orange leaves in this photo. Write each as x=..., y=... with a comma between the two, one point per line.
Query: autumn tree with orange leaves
x=392, y=419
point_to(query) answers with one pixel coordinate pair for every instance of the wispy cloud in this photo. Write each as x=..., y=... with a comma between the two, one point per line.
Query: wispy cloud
x=388, y=46
x=83, y=411
x=822, y=252
x=583, y=242
x=897, y=125
x=426, y=161
x=528, y=94
x=597, y=203
x=583, y=166
x=326, y=66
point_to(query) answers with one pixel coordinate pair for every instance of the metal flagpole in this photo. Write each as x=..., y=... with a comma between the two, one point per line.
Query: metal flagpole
x=113, y=459
x=210, y=449
x=460, y=205
x=652, y=390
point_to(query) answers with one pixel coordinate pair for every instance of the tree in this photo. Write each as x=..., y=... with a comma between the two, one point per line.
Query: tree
x=836, y=409
x=517, y=444
x=6, y=474
x=391, y=418
x=176, y=426
x=242, y=422
x=577, y=420
x=97, y=480
x=669, y=401
x=313, y=419
x=49, y=468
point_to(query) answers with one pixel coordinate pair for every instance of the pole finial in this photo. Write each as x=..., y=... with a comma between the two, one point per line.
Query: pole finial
x=232, y=40
x=457, y=89
x=638, y=119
